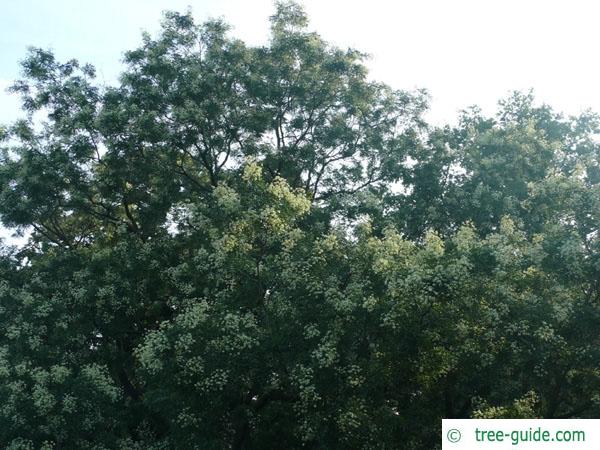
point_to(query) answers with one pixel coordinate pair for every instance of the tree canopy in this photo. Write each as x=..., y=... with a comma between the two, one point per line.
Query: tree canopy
x=256, y=247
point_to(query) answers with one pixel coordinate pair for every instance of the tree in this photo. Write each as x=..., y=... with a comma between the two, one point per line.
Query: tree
x=257, y=247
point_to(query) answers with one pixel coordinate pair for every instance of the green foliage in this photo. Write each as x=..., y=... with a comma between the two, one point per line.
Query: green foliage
x=257, y=247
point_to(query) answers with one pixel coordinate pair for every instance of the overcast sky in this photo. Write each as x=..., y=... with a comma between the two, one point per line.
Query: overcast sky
x=463, y=51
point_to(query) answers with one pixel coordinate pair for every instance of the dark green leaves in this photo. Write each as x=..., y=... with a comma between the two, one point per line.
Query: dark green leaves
x=259, y=247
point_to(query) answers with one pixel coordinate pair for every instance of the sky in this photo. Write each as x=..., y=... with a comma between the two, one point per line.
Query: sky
x=464, y=52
